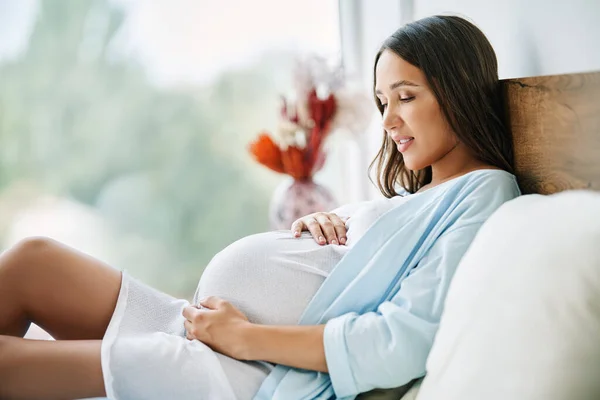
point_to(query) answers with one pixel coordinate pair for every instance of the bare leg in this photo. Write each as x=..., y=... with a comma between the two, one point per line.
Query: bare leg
x=40, y=369
x=67, y=293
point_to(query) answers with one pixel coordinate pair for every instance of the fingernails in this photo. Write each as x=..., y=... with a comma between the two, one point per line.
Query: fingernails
x=343, y=240
x=296, y=234
x=334, y=241
x=321, y=239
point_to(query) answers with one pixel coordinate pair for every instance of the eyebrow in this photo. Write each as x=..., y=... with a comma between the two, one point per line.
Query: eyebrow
x=396, y=85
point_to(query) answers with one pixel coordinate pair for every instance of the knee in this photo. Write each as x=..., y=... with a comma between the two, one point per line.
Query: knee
x=26, y=253
x=34, y=244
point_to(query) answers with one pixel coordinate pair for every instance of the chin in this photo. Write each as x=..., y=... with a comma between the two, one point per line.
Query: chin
x=414, y=164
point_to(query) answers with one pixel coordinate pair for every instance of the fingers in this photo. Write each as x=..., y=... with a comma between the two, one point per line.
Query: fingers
x=328, y=229
x=189, y=329
x=297, y=227
x=340, y=228
x=193, y=316
x=324, y=228
x=190, y=313
x=192, y=332
x=212, y=302
x=193, y=313
x=315, y=229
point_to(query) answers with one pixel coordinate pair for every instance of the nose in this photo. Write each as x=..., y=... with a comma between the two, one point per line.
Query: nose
x=390, y=119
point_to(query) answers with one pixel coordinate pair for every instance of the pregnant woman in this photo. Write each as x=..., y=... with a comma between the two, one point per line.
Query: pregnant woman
x=346, y=302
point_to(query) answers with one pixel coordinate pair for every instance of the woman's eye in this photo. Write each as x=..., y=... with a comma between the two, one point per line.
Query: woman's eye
x=407, y=99
x=384, y=106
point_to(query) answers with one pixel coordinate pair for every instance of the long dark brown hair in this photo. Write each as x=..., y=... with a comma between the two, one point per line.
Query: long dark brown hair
x=461, y=69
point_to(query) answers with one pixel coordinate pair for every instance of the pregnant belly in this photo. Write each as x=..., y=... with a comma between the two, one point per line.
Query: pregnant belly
x=271, y=276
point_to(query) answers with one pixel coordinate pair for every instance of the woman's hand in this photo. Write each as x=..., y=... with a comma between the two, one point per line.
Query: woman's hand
x=225, y=329
x=324, y=227
x=219, y=325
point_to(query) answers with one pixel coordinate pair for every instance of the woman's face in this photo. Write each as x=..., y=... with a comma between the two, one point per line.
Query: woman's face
x=412, y=117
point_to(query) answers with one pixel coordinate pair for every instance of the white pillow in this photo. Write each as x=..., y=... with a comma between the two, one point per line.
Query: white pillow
x=522, y=316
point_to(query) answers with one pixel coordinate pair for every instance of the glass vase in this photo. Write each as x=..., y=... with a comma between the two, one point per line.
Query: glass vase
x=293, y=199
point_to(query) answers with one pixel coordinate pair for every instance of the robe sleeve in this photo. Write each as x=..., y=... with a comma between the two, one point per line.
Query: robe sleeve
x=389, y=347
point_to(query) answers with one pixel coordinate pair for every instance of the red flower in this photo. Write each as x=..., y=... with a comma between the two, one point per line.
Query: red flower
x=299, y=163
x=266, y=152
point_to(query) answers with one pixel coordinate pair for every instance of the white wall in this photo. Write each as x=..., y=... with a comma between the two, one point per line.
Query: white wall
x=534, y=37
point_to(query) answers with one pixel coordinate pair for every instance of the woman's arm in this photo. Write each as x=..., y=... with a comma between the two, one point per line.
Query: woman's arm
x=389, y=347
x=294, y=346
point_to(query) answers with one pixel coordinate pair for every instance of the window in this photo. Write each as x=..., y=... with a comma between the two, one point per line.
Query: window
x=124, y=124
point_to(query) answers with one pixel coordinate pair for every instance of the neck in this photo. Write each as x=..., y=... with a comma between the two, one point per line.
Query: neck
x=456, y=162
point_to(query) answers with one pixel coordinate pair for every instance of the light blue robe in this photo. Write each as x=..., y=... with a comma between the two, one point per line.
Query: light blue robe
x=383, y=301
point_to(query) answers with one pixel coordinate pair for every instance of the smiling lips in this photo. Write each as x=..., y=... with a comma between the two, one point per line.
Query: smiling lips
x=403, y=142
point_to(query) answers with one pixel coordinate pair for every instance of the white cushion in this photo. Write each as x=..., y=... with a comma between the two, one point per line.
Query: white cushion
x=522, y=316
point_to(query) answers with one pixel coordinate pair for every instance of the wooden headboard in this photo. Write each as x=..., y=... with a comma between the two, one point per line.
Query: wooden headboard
x=555, y=123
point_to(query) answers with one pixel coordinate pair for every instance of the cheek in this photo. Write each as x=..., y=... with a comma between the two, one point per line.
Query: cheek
x=427, y=122
x=433, y=136
x=438, y=124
